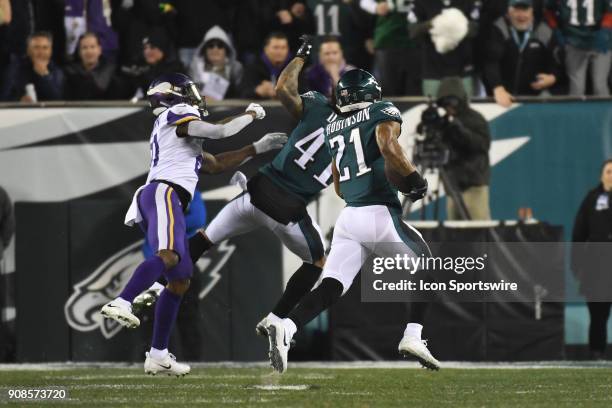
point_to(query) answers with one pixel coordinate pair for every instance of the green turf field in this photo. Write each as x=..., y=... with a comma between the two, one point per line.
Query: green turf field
x=373, y=387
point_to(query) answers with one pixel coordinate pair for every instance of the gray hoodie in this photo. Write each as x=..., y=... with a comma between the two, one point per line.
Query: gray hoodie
x=200, y=71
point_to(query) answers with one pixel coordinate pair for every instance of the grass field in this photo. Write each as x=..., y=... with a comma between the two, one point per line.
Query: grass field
x=304, y=386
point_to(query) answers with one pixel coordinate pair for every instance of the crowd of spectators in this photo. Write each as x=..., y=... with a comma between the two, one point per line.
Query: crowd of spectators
x=112, y=49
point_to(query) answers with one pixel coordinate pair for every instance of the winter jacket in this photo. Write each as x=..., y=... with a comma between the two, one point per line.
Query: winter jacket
x=515, y=69
x=319, y=80
x=260, y=70
x=591, y=237
x=201, y=72
x=96, y=84
x=468, y=138
x=20, y=73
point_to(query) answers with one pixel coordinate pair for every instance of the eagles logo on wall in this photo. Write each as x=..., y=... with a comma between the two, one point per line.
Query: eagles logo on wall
x=82, y=309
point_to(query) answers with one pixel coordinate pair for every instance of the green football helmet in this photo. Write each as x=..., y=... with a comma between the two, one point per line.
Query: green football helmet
x=356, y=89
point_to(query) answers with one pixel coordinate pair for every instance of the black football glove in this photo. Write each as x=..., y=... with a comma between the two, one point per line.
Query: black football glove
x=418, y=186
x=304, y=50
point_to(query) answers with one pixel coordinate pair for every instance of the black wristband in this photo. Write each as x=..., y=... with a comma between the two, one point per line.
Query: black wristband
x=414, y=180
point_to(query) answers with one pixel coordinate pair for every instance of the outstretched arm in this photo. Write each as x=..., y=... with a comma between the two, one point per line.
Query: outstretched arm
x=228, y=127
x=214, y=164
x=287, y=85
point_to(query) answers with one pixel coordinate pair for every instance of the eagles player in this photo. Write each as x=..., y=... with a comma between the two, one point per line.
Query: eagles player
x=158, y=206
x=277, y=196
x=362, y=139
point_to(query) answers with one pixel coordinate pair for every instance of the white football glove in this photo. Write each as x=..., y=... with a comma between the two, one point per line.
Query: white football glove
x=240, y=180
x=270, y=141
x=257, y=109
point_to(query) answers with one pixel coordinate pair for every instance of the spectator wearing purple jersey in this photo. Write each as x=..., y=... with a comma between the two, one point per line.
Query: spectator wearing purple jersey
x=323, y=76
x=82, y=16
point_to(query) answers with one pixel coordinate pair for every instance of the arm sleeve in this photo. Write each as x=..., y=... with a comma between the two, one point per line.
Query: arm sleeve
x=205, y=130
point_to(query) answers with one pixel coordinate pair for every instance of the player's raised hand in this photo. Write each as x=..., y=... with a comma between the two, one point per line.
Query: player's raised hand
x=257, y=110
x=270, y=141
x=304, y=50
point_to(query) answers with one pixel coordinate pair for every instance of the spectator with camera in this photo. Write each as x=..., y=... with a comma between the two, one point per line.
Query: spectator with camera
x=91, y=76
x=520, y=55
x=260, y=77
x=585, y=29
x=591, y=258
x=446, y=29
x=35, y=77
x=396, y=57
x=465, y=132
x=324, y=75
x=214, y=67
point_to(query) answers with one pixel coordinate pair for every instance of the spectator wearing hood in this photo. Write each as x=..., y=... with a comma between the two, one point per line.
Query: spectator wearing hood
x=324, y=75
x=260, y=77
x=214, y=67
x=466, y=133
x=159, y=58
x=91, y=76
x=194, y=18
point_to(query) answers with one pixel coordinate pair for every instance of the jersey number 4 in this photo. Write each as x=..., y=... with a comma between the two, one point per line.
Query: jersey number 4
x=316, y=140
x=355, y=139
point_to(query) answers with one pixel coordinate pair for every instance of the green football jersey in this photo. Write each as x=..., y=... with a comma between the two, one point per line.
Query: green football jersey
x=580, y=19
x=303, y=166
x=333, y=18
x=351, y=138
x=391, y=31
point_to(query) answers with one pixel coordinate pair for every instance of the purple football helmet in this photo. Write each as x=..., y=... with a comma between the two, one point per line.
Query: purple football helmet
x=171, y=89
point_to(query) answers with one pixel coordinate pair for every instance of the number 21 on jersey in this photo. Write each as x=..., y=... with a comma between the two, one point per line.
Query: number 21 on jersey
x=355, y=140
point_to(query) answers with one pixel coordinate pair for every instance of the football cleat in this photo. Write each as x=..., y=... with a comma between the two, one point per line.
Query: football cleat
x=167, y=365
x=120, y=313
x=279, y=346
x=146, y=299
x=413, y=346
x=262, y=327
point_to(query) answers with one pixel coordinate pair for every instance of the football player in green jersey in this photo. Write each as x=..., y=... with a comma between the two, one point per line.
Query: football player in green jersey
x=362, y=139
x=277, y=196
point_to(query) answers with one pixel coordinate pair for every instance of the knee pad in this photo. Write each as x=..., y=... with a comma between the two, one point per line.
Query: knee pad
x=179, y=287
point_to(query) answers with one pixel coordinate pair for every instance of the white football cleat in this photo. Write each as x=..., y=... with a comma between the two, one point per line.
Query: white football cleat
x=279, y=345
x=121, y=312
x=411, y=345
x=167, y=365
x=262, y=327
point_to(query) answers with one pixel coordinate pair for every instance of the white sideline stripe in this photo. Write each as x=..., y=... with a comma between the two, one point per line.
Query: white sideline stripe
x=323, y=365
x=162, y=218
